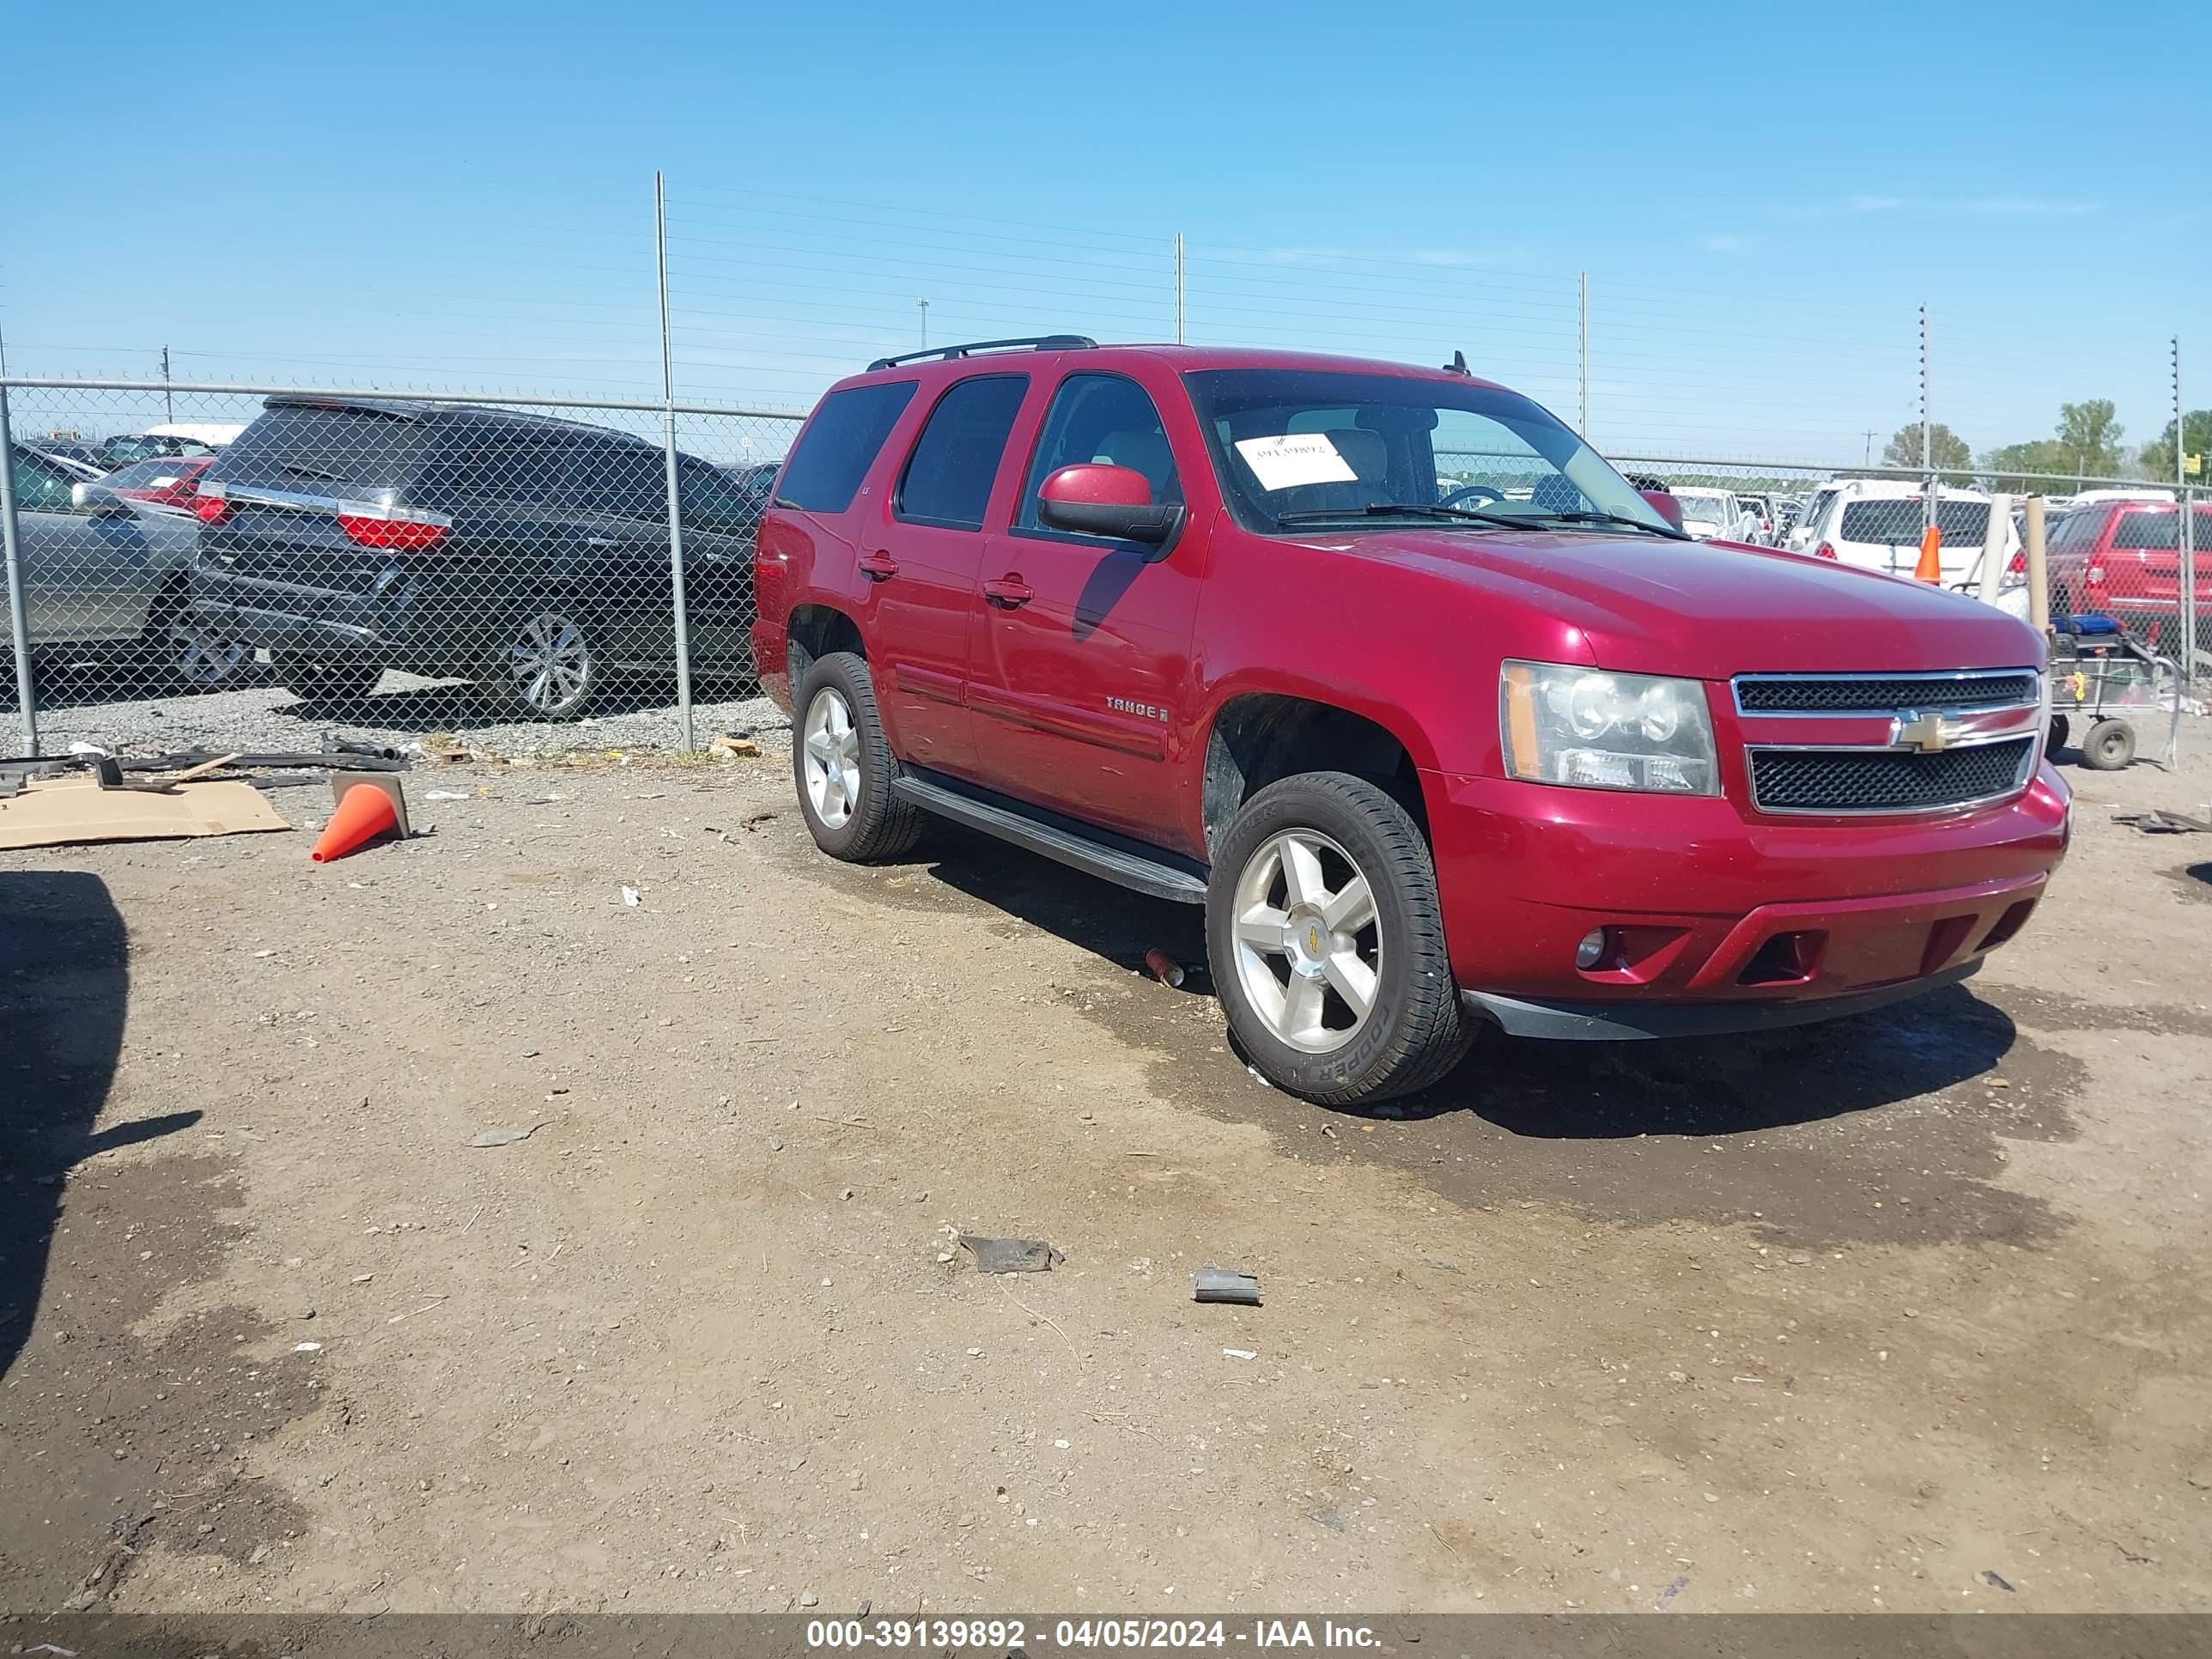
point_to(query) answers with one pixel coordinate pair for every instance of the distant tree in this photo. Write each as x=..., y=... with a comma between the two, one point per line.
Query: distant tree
x=2087, y=432
x=1946, y=448
x=2013, y=469
x=2158, y=454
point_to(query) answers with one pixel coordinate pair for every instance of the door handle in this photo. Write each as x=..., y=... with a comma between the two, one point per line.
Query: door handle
x=1009, y=591
x=878, y=567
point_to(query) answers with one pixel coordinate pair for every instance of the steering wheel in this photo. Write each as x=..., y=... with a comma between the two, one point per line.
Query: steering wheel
x=1488, y=495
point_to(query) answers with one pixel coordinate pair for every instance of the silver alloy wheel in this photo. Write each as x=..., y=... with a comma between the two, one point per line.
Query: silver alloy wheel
x=1301, y=901
x=551, y=663
x=832, y=748
x=200, y=658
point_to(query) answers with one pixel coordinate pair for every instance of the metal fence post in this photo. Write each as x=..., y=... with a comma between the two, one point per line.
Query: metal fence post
x=18, y=625
x=1581, y=287
x=2185, y=499
x=1927, y=513
x=683, y=621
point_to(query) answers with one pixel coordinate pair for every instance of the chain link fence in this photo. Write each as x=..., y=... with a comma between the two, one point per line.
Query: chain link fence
x=246, y=567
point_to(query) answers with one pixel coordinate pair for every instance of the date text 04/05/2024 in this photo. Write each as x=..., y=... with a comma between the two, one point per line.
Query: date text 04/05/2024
x=1083, y=1634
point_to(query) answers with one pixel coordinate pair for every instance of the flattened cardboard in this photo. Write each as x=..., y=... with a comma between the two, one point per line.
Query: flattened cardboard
x=67, y=811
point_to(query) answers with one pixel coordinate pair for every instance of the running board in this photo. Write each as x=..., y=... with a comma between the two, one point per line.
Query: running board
x=1079, y=852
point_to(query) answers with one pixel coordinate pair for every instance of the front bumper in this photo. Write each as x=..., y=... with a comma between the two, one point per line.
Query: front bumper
x=1720, y=921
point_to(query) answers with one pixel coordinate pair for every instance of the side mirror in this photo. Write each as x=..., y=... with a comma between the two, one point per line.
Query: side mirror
x=1665, y=505
x=99, y=500
x=1114, y=502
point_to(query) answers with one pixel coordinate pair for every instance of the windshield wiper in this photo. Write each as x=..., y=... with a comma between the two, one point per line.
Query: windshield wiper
x=1582, y=516
x=1393, y=510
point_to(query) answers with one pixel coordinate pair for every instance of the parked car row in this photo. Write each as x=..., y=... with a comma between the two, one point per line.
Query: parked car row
x=341, y=537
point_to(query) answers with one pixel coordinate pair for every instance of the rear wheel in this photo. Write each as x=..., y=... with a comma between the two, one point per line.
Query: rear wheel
x=549, y=667
x=843, y=766
x=2108, y=746
x=337, y=686
x=1326, y=941
x=183, y=651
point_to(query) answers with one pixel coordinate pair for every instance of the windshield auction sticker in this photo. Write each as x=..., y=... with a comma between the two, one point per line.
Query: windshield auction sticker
x=1294, y=458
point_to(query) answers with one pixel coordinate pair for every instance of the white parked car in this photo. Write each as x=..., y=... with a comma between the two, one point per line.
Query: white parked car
x=1876, y=524
x=1713, y=514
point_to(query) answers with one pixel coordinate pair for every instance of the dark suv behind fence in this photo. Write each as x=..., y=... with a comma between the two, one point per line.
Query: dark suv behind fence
x=348, y=536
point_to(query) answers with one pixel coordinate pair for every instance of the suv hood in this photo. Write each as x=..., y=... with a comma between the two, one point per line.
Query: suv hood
x=1708, y=611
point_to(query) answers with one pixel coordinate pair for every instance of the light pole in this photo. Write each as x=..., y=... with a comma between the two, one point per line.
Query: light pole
x=924, y=304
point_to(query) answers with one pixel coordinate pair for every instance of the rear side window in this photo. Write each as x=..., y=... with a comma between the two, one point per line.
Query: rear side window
x=948, y=477
x=2160, y=532
x=516, y=466
x=299, y=446
x=841, y=443
x=1896, y=523
x=623, y=480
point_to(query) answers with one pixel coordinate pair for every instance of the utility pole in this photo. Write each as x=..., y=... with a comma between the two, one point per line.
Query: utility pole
x=168, y=401
x=924, y=304
x=1178, y=297
x=1927, y=434
x=1869, y=446
x=1584, y=285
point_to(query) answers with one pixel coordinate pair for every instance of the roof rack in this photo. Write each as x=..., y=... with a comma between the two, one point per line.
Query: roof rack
x=1037, y=341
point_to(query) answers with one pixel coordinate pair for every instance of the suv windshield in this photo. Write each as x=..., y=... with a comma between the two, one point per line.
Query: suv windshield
x=1303, y=449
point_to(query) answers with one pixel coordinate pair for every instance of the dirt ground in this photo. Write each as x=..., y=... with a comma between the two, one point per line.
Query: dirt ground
x=1909, y=1312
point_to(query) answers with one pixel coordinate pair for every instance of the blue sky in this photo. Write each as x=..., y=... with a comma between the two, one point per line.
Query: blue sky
x=461, y=196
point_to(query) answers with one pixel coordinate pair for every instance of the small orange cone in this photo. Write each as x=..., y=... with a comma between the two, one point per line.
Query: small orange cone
x=364, y=813
x=1930, y=568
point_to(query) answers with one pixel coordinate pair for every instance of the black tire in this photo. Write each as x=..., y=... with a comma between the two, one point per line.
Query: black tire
x=1414, y=1030
x=875, y=824
x=547, y=663
x=180, y=653
x=336, y=686
x=2109, y=746
x=2061, y=729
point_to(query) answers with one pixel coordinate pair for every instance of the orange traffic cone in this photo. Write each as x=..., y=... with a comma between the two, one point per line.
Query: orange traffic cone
x=363, y=813
x=1930, y=568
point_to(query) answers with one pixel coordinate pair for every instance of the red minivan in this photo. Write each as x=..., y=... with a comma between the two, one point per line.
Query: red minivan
x=1441, y=721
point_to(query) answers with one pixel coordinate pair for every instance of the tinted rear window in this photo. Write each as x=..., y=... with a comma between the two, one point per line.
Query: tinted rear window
x=955, y=460
x=299, y=446
x=1899, y=523
x=2161, y=532
x=841, y=443
x=2077, y=532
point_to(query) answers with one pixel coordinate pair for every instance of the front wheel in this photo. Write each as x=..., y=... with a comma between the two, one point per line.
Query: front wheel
x=1326, y=941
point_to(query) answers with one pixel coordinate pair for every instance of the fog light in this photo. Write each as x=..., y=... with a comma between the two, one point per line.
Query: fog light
x=1591, y=950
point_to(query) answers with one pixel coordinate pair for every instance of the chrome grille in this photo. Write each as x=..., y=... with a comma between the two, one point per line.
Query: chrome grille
x=1887, y=780
x=1879, y=694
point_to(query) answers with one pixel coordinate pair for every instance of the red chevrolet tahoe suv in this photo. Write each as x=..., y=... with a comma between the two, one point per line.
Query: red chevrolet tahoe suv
x=1438, y=717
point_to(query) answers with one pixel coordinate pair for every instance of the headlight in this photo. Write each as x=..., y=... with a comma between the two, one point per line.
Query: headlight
x=1593, y=730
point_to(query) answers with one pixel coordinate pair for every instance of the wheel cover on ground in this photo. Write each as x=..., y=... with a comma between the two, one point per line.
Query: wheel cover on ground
x=831, y=745
x=1302, y=903
x=551, y=663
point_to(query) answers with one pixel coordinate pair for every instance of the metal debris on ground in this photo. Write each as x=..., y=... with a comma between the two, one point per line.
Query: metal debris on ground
x=1011, y=1255
x=1989, y=1576
x=498, y=1137
x=1163, y=967
x=2159, y=823
x=1239, y=1353
x=1224, y=1285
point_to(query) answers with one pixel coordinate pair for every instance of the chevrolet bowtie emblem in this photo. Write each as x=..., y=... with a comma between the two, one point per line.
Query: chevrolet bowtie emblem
x=1925, y=733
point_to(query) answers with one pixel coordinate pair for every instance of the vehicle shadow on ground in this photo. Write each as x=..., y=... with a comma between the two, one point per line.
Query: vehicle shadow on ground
x=1699, y=1087
x=64, y=966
